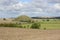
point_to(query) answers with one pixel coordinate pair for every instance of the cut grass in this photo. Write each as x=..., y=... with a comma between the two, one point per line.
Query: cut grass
x=47, y=26
x=50, y=26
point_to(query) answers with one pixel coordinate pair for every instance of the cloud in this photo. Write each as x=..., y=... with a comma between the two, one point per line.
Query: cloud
x=32, y=8
x=57, y=6
x=54, y=1
x=7, y=2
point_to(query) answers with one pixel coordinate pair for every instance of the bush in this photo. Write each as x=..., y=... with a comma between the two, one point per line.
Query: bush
x=8, y=25
x=20, y=26
x=35, y=26
x=48, y=20
x=12, y=25
x=32, y=21
x=43, y=20
x=4, y=18
x=44, y=28
x=24, y=26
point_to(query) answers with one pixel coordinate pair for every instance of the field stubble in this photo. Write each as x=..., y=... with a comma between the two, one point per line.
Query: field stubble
x=7, y=33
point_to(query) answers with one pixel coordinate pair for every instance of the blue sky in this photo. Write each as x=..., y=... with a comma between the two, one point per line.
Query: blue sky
x=41, y=8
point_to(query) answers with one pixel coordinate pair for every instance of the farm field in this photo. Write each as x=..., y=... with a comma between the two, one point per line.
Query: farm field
x=29, y=19
x=7, y=33
x=51, y=24
x=47, y=24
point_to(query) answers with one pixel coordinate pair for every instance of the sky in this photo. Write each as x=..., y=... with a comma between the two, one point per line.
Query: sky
x=32, y=8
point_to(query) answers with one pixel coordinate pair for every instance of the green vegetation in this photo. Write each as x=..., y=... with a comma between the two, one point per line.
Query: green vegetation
x=4, y=18
x=50, y=26
x=23, y=18
x=27, y=22
x=8, y=25
x=35, y=26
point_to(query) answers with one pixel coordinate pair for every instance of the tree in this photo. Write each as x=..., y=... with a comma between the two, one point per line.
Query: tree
x=4, y=18
x=47, y=19
x=35, y=26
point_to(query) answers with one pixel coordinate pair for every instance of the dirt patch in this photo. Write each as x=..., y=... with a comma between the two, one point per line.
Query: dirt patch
x=28, y=34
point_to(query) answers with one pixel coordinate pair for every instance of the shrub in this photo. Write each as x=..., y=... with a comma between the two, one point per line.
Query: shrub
x=13, y=25
x=8, y=25
x=32, y=21
x=35, y=26
x=4, y=18
x=20, y=26
x=24, y=26
x=48, y=20
x=44, y=28
x=43, y=20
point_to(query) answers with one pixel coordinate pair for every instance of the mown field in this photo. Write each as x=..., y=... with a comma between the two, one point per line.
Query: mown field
x=51, y=24
x=45, y=24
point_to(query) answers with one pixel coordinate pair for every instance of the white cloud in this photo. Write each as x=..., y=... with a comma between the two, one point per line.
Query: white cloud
x=35, y=7
x=54, y=1
x=17, y=6
x=40, y=9
x=57, y=6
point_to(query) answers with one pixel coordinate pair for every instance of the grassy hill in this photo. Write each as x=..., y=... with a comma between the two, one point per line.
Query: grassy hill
x=23, y=18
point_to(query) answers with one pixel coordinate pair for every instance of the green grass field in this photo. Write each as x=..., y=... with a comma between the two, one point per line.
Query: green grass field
x=44, y=24
x=51, y=24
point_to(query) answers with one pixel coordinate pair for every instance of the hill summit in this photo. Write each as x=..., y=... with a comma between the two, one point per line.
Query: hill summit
x=23, y=18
